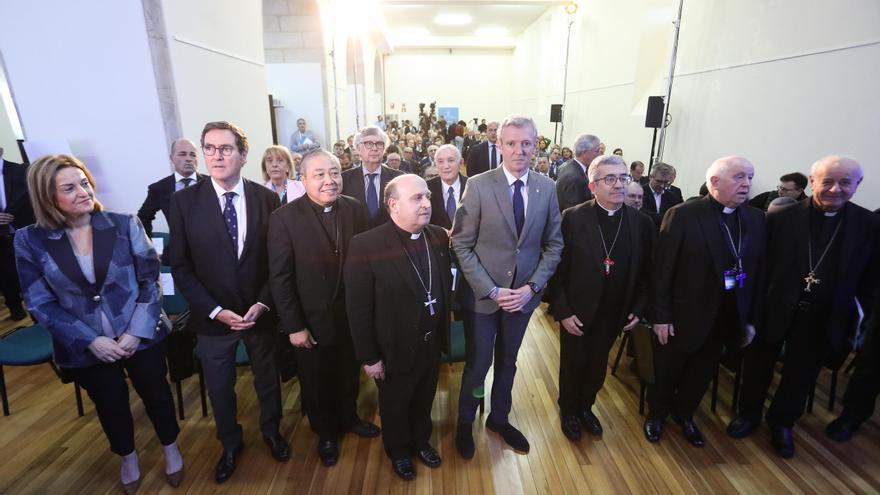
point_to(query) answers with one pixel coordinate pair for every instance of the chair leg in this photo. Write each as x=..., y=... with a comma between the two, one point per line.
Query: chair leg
x=3, y=393
x=810, y=399
x=624, y=340
x=643, y=392
x=179, y=388
x=737, y=383
x=202, y=394
x=715, y=388
x=77, y=392
x=832, y=391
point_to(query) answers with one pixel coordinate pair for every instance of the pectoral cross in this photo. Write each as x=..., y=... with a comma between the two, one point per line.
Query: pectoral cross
x=740, y=277
x=430, y=302
x=608, y=262
x=810, y=279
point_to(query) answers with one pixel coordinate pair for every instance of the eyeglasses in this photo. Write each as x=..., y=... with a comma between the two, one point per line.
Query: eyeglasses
x=610, y=180
x=225, y=150
x=782, y=189
x=373, y=145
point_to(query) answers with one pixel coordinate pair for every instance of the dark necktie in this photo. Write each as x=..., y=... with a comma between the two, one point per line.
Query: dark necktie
x=450, y=204
x=186, y=181
x=231, y=220
x=493, y=160
x=519, y=211
x=372, y=196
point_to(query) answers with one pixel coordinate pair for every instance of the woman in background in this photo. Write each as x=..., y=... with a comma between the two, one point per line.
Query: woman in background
x=91, y=278
x=277, y=164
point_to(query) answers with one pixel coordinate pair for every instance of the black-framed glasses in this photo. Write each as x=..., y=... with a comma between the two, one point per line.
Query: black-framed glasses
x=225, y=150
x=610, y=180
x=373, y=145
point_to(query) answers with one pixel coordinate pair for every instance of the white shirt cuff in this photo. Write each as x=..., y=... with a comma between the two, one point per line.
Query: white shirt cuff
x=214, y=313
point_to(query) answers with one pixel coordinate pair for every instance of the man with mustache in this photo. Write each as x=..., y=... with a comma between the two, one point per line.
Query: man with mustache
x=398, y=281
x=704, y=288
x=823, y=267
x=308, y=242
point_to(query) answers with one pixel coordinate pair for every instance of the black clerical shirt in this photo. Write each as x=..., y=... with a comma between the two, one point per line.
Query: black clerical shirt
x=614, y=288
x=418, y=251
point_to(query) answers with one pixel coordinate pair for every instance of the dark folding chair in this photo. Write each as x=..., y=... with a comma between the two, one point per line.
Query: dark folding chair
x=28, y=346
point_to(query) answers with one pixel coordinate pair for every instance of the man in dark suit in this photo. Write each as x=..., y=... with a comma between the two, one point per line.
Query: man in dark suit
x=790, y=185
x=704, y=289
x=507, y=241
x=428, y=161
x=185, y=162
x=823, y=267
x=486, y=155
x=571, y=180
x=447, y=188
x=367, y=182
x=601, y=286
x=659, y=193
x=16, y=213
x=398, y=281
x=308, y=241
x=220, y=265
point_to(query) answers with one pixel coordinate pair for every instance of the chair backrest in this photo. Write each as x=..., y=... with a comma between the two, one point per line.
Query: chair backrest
x=174, y=304
x=455, y=351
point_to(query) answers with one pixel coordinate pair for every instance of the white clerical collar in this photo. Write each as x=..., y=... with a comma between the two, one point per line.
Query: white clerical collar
x=610, y=212
x=328, y=209
x=830, y=213
x=728, y=211
x=415, y=236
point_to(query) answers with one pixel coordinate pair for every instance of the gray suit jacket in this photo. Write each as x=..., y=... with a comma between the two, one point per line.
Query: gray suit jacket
x=485, y=241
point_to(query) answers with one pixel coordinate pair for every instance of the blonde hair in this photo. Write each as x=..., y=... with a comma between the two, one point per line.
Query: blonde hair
x=277, y=151
x=42, y=188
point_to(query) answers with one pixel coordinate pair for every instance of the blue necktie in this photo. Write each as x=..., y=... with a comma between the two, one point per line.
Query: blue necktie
x=519, y=210
x=450, y=204
x=231, y=220
x=372, y=196
x=493, y=160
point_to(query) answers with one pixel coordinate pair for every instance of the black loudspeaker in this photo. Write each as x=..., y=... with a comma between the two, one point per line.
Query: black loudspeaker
x=556, y=113
x=654, y=116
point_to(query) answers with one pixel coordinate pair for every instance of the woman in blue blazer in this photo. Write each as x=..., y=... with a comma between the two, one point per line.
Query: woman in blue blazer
x=91, y=278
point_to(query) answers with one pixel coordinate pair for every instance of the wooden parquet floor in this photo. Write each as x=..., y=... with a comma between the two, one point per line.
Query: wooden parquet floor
x=47, y=449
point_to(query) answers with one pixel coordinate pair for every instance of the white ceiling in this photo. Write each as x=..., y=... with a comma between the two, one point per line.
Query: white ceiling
x=493, y=23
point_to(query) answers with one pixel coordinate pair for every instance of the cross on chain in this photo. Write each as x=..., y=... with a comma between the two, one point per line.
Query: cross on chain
x=810, y=279
x=430, y=302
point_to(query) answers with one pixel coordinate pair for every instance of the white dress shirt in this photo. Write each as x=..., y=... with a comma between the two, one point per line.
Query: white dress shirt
x=456, y=190
x=524, y=189
x=178, y=180
x=240, y=209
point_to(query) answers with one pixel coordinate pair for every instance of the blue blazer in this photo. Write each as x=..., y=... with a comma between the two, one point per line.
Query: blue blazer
x=126, y=285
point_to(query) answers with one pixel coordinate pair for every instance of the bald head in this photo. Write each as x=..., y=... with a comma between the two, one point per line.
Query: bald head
x=834, y=180
x=635, y=193
x=729, y=180
x=409, y=202
x=184, y=157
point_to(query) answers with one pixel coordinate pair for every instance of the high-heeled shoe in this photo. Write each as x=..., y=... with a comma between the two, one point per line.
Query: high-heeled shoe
x=174, y=478
x=131, y=488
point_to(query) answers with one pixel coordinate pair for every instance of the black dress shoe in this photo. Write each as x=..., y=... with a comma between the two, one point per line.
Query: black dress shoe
x=364, y=429
x=653, y=429
x=328, y=451
x=842, y=429
x=464, y=440
x=226, y=464
x=782, y=441
x=571, y=427
x=17, y=313
x=741, y=427
x=430, y=457
x=279, y=447
x=692, y=433
x=511, y=435
x=591, y=422
x=403, y=468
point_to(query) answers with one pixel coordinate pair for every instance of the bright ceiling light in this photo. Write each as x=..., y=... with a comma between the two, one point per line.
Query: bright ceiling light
x=571, y=8
x=452, y=19
x=412, y=32
x=491, y=32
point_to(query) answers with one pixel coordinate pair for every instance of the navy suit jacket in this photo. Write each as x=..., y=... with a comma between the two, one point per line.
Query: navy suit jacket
x=18, y=202
x=353, y=185
x=159, y=198
x=126, y=286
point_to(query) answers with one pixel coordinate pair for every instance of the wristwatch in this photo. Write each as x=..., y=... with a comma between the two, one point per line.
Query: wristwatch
x=534, y=287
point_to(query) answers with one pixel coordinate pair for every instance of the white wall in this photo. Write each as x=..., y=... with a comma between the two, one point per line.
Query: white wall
x=300, y=89
x=479, y=83
x=88, y=80
x=782, y=83
x=217, y=59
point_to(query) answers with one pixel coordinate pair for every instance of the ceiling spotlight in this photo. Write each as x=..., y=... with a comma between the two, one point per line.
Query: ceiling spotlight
x=571, y=8
x=452, y=19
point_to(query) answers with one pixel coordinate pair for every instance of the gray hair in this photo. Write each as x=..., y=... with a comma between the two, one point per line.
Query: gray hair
x=593, y=170
x=840, y=160
x=453, y=148
x=779, y=203
x=663, y=170
x=519, y=121
x=585, y=142
x=721, y=165
x=312, y=155
x=370, y=130
x=396, y=155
